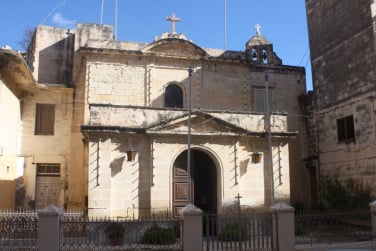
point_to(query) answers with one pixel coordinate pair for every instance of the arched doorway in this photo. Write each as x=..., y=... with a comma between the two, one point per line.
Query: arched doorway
x=203, y=182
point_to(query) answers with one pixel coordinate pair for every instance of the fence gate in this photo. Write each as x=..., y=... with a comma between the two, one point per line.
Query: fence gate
x=238, y=232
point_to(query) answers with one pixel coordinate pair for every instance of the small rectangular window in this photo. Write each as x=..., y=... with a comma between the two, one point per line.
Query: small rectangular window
x=345, y=129
x=48, y=169
x=44, y=119
x=260, y=100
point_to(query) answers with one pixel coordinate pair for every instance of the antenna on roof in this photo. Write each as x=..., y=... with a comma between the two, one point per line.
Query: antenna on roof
x=116, y=12
x=225, y=24
x=102, y=11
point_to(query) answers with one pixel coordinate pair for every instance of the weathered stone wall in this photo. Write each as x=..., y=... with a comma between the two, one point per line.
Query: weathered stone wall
x=342, y=43
x=141, y=118
x=355, y=159
x=343, y=54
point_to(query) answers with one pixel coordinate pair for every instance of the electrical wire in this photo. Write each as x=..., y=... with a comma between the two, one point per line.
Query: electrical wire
x=53, y=10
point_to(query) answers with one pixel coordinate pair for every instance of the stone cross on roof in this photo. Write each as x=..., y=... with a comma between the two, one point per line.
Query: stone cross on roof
x=173, y=19
x=258, y=29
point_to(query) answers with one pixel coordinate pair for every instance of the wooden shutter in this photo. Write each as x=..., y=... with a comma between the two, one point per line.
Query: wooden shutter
x=44, y=119
x=260, y=100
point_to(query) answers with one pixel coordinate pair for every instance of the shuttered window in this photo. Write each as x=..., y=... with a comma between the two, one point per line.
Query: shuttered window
x=345, y=129
x=174, y=96
x=44, y=119
x=260, y=100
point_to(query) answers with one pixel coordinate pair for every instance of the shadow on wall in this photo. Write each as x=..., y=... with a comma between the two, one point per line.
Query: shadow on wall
x=21, y=200
x=116, y=165
x=56, y=61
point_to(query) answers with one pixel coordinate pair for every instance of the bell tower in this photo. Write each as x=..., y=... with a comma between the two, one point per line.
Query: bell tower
x=259, y=50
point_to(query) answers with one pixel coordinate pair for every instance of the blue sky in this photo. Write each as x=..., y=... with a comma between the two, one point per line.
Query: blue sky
x=283, y=22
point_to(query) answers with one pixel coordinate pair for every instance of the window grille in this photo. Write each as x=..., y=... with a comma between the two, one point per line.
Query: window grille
x=48, y=169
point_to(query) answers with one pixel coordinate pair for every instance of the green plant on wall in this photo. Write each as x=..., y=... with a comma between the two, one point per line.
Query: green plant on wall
x=115, y=233
x=349, y=194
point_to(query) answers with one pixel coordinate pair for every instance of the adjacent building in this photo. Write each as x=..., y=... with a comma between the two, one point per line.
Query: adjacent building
x=342, y=124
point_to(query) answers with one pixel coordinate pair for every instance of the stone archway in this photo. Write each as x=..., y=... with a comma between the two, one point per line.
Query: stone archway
x=203, y=182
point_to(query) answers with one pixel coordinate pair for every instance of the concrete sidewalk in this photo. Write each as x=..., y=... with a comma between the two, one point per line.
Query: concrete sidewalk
x=355, y=246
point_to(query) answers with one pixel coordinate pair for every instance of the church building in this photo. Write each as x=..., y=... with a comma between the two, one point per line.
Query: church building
x=147, y=128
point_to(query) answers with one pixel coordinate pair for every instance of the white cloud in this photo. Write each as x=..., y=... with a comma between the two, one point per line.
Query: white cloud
x=58, y=19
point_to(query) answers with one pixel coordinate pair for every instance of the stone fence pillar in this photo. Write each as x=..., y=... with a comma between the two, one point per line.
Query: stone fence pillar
x=49, y=228
x=192, y=228
x=372, y=206
x=283, y=227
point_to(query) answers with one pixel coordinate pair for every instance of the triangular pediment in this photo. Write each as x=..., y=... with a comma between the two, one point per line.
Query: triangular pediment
x=175, y=47
x=201, y=124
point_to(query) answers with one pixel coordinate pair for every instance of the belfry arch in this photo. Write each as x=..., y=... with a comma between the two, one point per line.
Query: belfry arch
x=204, y=181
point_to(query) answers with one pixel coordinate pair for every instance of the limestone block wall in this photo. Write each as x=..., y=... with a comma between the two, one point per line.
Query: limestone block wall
x=117, y=84
x=138, y=81
x=118, y=187
x=223, y=86
x=133, y=117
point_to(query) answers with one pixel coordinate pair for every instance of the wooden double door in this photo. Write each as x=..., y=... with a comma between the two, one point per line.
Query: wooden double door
x=203, y=182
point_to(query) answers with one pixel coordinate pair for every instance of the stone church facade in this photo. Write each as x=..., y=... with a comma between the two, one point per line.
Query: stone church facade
x=152, y=100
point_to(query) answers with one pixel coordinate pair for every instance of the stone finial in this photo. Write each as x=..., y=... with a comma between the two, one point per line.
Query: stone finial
x=258, y=29
x=7, y=47
x=191, y=209
x=372, y=204
x=51, y=209
x=282, y=206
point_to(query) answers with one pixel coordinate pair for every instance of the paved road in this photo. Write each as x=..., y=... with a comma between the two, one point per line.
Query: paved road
x=364, y=246
x=350, y=250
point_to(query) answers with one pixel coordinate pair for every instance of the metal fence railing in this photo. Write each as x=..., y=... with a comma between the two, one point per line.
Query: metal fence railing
x=333, y=226
x=18, y=230
x=238, y=231
x=81, y=234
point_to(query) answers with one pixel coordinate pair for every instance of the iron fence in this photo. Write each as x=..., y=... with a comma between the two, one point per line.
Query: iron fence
x=18, y=230
x=81, y=234
x=148, y=212
x=333, y=226
x=238, y=231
